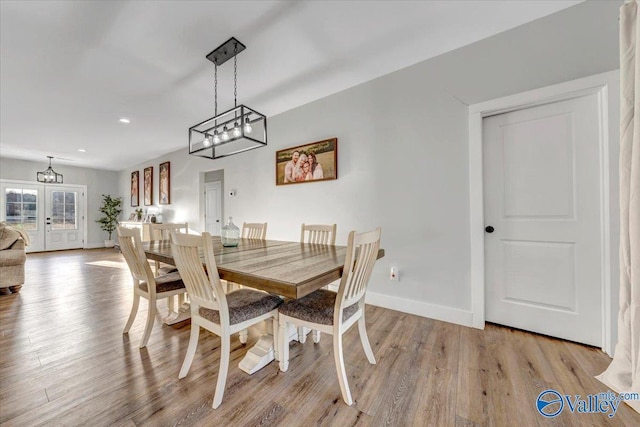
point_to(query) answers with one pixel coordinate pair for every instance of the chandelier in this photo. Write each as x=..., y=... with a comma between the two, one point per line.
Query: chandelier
x=234, y=131
x=50, y=176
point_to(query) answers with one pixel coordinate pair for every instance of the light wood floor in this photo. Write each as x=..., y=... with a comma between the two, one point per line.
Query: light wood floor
x=64, y=361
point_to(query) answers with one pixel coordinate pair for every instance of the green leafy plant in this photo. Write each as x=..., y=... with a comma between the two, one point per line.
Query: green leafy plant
x=111, y=208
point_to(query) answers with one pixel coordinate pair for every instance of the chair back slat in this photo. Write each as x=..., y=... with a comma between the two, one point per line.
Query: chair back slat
x=254, y=230
x=163, y=231
x=203, y=285
x=318, y=234
x=131, y=248
x=362, y=253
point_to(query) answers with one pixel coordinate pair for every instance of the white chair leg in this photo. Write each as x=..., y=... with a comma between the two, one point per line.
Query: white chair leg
x=151, y=316
x=364, y=338
x=171, y=304
x=342, y=373
x=244, y=336
x=224, y=369
x=191, y=350
x=301, y=335
x=132, y=315
x=316, y=336
x=275, y=332
x=283, y=342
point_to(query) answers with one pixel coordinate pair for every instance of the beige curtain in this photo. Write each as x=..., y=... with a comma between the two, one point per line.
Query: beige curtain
x=623, y=375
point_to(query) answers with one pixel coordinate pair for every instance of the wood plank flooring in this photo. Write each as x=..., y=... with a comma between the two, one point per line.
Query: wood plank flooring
x=64, y=362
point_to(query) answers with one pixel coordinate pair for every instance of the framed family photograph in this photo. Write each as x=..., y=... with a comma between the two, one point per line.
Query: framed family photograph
x=148, y=186
x=165, y=183
x=317, y=161
x=135, y=195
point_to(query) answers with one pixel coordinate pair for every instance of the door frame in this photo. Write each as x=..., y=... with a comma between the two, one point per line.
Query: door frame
x=220, y=201
x=84, y=210
x=203, y=178
x=605, y=85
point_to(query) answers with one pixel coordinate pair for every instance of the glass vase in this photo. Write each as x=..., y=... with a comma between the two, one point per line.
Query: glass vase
x=230, y=234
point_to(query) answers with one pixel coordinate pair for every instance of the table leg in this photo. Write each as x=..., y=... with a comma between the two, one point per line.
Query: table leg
x=263, y=352
x=258, y=356
x=181, y=314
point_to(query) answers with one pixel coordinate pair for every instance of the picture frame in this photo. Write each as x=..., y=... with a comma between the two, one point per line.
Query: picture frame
x=132, y=217
x=148, y=186
x=164, y=190
x=135, y=189
x=294, y=165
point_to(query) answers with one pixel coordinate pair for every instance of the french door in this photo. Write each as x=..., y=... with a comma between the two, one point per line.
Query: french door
x=53, y=216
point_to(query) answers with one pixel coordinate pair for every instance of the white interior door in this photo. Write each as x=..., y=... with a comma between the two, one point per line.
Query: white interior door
x=542, y=197
x=64, y=220
x=213, y=207
x=22, y=205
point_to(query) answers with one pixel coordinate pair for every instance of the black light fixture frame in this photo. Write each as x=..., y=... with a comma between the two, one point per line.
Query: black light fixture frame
x=203, y=132
x=49, y=176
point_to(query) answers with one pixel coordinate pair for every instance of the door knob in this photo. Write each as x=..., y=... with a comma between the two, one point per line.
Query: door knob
x=489, y=229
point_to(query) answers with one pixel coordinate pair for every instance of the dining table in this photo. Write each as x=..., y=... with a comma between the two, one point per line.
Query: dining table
x=289, y=269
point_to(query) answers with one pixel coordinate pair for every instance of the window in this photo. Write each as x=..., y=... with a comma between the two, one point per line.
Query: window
x=22, y=208
x=63, y=210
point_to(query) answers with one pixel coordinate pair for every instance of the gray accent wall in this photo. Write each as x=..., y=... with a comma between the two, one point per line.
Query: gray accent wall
x=98, y=182
x=402, y=155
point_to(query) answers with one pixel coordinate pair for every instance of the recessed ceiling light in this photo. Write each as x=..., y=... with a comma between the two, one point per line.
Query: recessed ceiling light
x=82, y=150
x=124, y=120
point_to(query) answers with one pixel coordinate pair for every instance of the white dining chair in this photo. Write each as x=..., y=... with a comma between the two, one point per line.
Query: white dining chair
x=254, y=230
x=334, y=313
x=320, y=234
x=145, y=283
x=250, y=230
x=213, y=309
x=163, y=232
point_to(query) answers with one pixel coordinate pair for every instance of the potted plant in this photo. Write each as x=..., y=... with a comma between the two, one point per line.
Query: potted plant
x=111, y=208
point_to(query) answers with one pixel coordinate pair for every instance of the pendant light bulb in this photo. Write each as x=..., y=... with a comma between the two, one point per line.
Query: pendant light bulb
x=216, y=137
x=236, y=130
x=247, y=127
x=207, y=141
x=225, y=134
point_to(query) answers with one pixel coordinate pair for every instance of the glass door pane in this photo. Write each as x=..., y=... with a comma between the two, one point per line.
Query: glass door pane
x=63, y=210
x=22, y=206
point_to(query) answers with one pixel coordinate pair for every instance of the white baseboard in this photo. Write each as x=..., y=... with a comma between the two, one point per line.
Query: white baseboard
x=94, y=245
x=424, y=309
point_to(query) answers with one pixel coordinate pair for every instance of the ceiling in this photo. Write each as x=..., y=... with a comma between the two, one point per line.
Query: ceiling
x=69, y=70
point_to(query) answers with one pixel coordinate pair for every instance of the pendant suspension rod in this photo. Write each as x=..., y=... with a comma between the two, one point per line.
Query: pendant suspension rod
x=215, y=90
x=235, y=75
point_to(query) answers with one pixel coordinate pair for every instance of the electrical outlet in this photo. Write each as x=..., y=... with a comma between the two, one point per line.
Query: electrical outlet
x=393, y=274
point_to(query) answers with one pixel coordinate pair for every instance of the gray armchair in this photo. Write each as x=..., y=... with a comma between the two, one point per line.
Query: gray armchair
x=12, y=259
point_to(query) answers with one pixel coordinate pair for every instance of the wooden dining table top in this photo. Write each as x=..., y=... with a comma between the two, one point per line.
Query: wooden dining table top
x=290, y=269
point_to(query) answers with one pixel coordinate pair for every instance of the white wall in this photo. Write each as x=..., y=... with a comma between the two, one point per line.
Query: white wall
x=98, y=182
x=402, y=156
